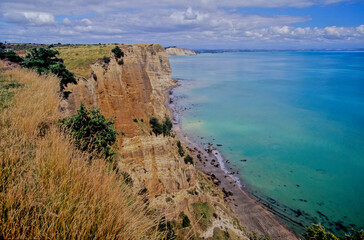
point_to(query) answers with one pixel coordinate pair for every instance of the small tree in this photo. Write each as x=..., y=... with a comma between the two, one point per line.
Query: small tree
x=117, y=52
x=45, y=60
x=92, y=131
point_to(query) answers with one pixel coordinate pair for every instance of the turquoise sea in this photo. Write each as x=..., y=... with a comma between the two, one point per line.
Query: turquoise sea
x=297, y=118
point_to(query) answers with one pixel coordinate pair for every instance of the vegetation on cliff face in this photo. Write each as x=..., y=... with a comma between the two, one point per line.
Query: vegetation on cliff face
x=181, y=152
x=159, y=128
x=117, y=52
x=92, y=131
x=48, y=188
x=318, y=232
x=189, y=159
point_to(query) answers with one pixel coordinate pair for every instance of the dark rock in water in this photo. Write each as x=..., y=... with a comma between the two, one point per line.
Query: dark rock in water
x=298, y=185
x=340, y=226
x=243, y=160
x=297, y=212
x=322, y=215
x=219, y=145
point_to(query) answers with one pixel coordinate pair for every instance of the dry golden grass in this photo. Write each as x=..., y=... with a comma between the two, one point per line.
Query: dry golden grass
x=48, y=189
x=78, y=58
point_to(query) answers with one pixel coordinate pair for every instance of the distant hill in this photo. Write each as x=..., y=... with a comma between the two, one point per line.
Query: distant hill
x=176, y=51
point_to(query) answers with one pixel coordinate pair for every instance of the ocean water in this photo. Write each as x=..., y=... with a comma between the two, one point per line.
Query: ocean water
x=297, y=118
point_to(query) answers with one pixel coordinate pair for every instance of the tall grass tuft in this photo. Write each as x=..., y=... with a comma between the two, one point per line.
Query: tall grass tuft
x=49, y=189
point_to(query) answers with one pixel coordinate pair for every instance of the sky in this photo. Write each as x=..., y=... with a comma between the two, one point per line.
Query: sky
x=197, y=24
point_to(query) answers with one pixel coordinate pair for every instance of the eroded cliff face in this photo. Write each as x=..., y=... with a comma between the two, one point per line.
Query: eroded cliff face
x=133, y=92
x=175, y=51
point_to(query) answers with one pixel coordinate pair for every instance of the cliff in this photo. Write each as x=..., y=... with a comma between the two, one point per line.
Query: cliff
x=175, y=51
x=133, y=92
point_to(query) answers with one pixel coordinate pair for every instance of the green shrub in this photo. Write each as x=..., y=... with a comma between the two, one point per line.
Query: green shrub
x=45, y=60
x=189, y=159
x=167, y=126
x=159, y=128
x=156, y=126
x=92, y=132
x=121, y=62
x=203, y=212
x=180, y=149
x=117, y=52
x=318, y=232
x=11, y=56
x=106, y=59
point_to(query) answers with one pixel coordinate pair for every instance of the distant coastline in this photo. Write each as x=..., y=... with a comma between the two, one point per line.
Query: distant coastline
x=202, y=51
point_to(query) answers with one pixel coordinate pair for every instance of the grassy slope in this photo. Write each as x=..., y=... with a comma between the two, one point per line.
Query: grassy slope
x=48, y=189
x=78, y=58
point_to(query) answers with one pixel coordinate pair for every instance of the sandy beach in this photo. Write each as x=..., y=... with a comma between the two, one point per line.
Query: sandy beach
x=253, y=214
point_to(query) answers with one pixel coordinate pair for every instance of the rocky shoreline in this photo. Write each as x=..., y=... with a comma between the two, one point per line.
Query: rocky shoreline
x=253, y=214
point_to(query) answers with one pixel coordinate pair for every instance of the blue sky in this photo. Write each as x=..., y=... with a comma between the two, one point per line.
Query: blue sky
x=244, y=24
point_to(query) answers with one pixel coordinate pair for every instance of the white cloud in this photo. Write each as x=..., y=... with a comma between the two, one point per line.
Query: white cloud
x=31, y=18
x=86, y=22
x=313, y=34
x=66, y=21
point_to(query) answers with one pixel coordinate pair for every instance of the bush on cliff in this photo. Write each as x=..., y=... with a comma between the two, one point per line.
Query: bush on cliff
x=167, y=126
x=45, y=60
x=92, y=131
x=117, y=52
x=106, y=59
x=11, y=56
x=318, y=232
x=180, y=149
x=159, y=128
x=156, y=126
x=189, y=159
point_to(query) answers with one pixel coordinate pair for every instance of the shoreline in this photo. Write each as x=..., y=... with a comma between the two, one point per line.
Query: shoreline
x=254, y=215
